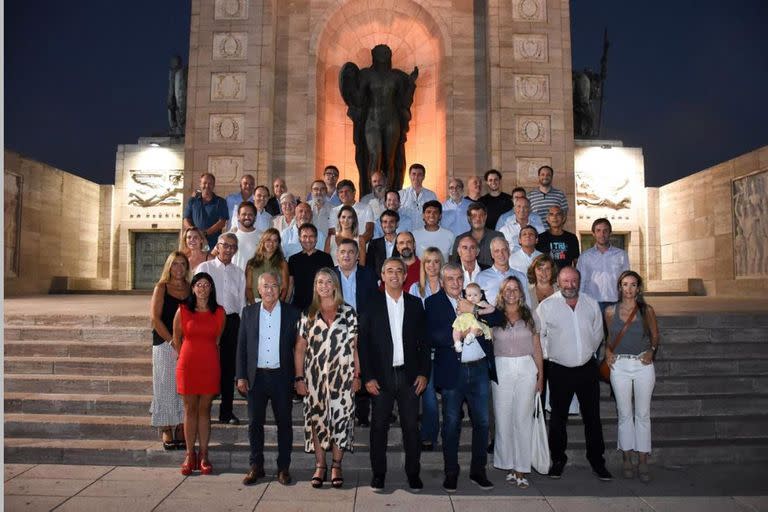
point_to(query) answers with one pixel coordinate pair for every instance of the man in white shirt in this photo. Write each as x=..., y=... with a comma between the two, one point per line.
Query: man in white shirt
x=432, y=235
x=413, y=198
x=467, y=250
x=263, y=219
x=247, y=235
x=346, y=190
x=229, y=281
x=321, y=209
x=247, y=184
x=490, y=279
x=405, y=222
x=455, y=208
x=521, y=218
x=571, y=332
x=522, y=258
x=289, y=237
x=601, y=265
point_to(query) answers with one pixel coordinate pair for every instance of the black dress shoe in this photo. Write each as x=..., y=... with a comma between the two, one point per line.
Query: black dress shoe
x=415, y=483
x=253, y=475
x=427, y=446
x=377, y=483
x=603, y=474
x=478, y=478
x=449, y=484
x=556, y=471
x=363, y=423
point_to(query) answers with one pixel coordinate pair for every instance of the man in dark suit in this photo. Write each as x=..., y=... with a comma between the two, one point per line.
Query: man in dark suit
x=382, y=248
x=265, y=371
x=394, y=360
x=460, y=377
x=358, y=286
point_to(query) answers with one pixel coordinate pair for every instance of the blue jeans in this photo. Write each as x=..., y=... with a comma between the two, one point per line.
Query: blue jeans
x=430, y=420
x=473, y=385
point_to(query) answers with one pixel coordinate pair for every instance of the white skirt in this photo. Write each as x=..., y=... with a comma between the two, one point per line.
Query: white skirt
x=167, y=408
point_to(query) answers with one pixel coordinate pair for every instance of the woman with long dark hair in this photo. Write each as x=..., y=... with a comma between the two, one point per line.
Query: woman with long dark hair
x=197, y=329
x=347, y=226
x=520, y=371
x=632, y=370
x=267, y=258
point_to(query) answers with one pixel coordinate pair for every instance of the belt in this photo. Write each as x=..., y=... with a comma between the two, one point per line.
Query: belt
x=628, y=356
x=258, y=370
x=472, y=364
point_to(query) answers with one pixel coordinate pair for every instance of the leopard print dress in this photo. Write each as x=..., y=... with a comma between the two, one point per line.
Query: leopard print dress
x=329, y=367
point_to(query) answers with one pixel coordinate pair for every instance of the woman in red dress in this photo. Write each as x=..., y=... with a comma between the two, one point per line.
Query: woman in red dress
x=197, y=329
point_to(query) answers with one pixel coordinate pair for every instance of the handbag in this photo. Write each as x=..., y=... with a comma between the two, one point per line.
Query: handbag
x=605, y=369
x=540, y=457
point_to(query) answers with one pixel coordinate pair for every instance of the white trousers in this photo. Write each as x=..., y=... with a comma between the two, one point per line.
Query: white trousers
x=513, y=404
x=631, y=377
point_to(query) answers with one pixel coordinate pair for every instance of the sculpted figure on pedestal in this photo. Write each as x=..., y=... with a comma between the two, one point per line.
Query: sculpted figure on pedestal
x=177, y=97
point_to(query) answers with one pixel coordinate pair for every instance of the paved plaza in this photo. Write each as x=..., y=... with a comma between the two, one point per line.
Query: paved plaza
x=132, y=489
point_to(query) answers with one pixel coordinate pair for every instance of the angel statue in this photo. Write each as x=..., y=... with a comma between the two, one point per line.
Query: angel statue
x=379, y=102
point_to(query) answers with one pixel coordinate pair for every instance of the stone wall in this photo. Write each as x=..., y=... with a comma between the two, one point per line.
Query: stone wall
x=57, y=222
x=696, y=227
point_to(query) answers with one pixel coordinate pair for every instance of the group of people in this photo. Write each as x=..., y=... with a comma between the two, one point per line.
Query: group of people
x=363, y=312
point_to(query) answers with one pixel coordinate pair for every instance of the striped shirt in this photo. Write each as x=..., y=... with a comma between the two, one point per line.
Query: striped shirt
x=541, y=202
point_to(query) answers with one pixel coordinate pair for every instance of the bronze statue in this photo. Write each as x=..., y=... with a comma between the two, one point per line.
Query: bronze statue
x=379, y=102
x=588, y=92
x=177, y=97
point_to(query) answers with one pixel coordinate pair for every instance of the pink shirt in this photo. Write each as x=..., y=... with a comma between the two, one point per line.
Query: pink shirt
x=514, y=341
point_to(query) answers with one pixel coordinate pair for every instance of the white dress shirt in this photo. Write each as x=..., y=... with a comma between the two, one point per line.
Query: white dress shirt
x=396, y=312
x=413, y=202
x=246, y=246
x=440, y=238
x=230, y=284
x=521, y=261
x=600, y=271
x=490, y=281
x=269, y=337
x=570, y=337
x=321, y=217
x=511, y=230
x=470, y=277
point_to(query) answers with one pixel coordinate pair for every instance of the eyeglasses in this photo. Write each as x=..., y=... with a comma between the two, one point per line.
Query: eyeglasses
x=228, y=246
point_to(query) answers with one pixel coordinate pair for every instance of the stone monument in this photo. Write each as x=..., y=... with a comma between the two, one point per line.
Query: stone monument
x=177, y=97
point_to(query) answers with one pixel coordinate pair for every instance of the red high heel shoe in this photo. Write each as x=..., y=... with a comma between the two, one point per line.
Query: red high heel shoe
x=190, y=464
x=204, y=464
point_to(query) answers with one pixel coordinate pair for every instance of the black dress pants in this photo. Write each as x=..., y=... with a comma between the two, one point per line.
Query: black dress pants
x=563, y=383
x=227, y=355
x=408, y=406
x=270, y=385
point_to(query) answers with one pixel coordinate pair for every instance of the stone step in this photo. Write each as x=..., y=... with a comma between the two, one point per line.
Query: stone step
x=52, y=332
x=234, y=457
x=51, y=383
x=136, y=405
x=43, y=348
x=78, y=321
x=673, y=335
x=698, y=350
x=136, y=428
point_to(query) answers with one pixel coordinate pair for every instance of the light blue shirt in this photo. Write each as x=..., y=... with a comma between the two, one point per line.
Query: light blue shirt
x=269, y=337
x=455, y=216
x=333, y=199
x=349, y=287
x=233, y=201
x=533, y=220
x=490, y=280
x=427, y=291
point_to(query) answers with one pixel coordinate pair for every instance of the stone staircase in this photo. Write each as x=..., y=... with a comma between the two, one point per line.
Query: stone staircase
x=78, y=389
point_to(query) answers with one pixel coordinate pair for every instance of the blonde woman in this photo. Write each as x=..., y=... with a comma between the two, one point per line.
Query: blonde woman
x=268, y=257
x=520, y=371
x=327, y=375
x=167, y=408
x=347, y=226
x=193, y=246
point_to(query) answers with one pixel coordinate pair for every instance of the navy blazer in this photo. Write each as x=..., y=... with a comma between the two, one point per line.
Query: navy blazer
x=375, y=256
x=446, y=365
x=376, y=347
x=366, y=287
x=248, y=342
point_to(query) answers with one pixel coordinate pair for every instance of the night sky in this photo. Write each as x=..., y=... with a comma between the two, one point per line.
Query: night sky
x=686, y=79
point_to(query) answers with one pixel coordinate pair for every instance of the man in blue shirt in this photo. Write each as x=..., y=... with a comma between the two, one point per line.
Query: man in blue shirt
x=206, y=210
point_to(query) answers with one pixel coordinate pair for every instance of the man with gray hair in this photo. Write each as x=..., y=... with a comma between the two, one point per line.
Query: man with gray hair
x=490, y=279
x=229, y=281
x=288, y=207
x=520, y=219
x=455, y=208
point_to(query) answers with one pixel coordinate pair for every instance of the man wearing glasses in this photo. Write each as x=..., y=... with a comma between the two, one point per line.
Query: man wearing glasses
x=330, y=177
x=229, y=281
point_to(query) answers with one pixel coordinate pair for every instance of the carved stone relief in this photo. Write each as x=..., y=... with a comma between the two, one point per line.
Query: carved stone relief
x=531, y=88
x=532, y=129
x=226, y=168
x=750, y=225
x=148, y=188
x=529, y=10
x=230, y=45
x=528, y=167
x=12, y=224
x=530, y=47
x=604, y=188
x=230, y=10
x=228, y=86
x=226, y=128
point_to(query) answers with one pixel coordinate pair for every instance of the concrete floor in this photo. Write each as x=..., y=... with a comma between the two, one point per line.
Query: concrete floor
x=133, y=489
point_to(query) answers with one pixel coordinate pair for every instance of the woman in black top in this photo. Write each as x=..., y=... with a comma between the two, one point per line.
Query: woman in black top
x=167, y=409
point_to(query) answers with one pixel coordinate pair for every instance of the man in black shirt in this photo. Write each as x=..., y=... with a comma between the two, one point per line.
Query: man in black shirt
x=562, y=245
x=495, y=201
x=304, y=265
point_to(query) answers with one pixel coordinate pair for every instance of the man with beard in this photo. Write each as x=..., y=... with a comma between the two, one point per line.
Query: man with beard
x=546, y=196
x=571, y=331
x=330, y=177
x=406, y=250
x=247, y=235
x=321, y=208
x=375, y=198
